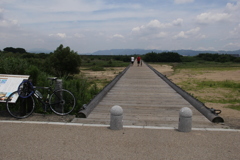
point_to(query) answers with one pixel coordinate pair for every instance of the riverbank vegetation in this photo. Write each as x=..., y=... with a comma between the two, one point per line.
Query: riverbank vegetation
x=73, y=68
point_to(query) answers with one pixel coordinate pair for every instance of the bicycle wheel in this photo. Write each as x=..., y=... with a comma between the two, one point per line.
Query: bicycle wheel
x=62, y=102
x=25, y=89
x=22, y=108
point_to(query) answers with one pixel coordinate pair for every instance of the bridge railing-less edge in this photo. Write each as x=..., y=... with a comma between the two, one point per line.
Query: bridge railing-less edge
x=210, y=113
x=94, y=102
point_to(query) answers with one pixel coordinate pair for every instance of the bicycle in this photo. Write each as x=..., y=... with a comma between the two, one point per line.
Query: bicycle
x=60, y=101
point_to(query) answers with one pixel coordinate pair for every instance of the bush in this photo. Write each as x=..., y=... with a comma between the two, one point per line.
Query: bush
x=12, y=65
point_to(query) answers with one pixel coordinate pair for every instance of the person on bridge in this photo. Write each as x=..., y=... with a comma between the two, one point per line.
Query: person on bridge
x=132, y=60
x=139, y=60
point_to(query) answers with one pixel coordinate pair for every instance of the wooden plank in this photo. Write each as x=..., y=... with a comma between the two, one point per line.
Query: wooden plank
x=146, y=100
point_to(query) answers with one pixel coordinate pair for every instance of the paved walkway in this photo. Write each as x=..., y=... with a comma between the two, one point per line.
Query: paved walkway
x=146, y=100
x=71, y=141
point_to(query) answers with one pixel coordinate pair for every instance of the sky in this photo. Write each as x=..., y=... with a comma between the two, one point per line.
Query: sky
x=87, y=26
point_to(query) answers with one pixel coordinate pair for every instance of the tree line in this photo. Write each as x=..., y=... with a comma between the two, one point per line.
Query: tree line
x=14, y=50
x=175, y=57
x=162, y=57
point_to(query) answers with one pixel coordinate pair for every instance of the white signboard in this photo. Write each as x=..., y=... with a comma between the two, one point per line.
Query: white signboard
x=8, y=84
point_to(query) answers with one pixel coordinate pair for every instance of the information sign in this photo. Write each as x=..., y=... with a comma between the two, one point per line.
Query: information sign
x=8, y=84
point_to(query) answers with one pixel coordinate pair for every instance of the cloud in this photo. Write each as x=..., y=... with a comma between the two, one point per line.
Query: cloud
x=156, y=24
x=155, y=29
x=233, y=45
x=117, y=36
x=208, y=17
x=201, y=36
x=4, y=22
x=79, y=35
x=8, y=23
x=177, y=22
x=183, y=1
x=236, y=31
x=161, y=35
x=193, y=31
x=1, y=13
x=58, y=35
x=231, y=7
x=188, y=33
x=180, y=35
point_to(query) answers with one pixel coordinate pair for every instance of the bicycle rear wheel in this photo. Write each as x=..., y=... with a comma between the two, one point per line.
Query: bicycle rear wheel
x=62, y=102
x=22, y=108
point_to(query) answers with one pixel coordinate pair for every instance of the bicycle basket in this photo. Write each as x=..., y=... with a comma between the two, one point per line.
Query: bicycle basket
x=25, y=89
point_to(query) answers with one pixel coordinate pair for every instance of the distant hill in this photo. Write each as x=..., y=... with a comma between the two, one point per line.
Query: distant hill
x=142, y=51
x=124, y=52
x=39, y=50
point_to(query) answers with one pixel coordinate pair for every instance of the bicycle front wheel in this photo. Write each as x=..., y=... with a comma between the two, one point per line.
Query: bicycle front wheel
x=22, y=108
x=62, y=102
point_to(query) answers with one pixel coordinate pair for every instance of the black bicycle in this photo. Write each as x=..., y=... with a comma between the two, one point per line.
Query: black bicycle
x=61, y=101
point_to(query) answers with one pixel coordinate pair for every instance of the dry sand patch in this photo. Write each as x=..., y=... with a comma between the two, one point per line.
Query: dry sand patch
x=102, y=77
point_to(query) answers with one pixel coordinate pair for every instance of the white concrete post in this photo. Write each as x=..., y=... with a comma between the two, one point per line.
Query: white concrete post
x=185, y=120
x=58, y=84
x=116, y=118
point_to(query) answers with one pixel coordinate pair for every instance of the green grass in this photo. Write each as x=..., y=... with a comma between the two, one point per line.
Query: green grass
x=103, y=63
x=236, y=107
x=218, y=84
x=222, y=92
x=226, y=100
x=200, y=65
x=97, y=68
x=227, y=91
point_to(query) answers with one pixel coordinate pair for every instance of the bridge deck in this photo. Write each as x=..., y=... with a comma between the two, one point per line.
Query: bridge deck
x=146, y=101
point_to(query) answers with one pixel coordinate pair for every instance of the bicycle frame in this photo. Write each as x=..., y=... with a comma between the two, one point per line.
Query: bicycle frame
x=45, y=102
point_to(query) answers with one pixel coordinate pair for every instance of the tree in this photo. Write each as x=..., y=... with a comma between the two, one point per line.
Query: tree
x=151, y=57
x=14, y=50
x=64, y=62
x=169, y=57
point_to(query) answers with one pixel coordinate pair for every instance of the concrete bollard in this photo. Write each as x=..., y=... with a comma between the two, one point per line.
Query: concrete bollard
x=116, y=118
x=185, y=120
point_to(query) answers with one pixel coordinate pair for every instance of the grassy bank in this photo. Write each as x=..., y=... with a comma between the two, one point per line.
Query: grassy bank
x=210, y=82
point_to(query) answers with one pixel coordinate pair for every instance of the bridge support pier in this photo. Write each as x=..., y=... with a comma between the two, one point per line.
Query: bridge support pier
x=185, y=120
x=116, y=118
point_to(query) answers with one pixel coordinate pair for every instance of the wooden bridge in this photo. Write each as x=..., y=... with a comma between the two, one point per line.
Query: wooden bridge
x=146, y=99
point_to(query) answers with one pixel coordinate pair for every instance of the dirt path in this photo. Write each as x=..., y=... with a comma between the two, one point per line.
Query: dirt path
x=231, y=116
